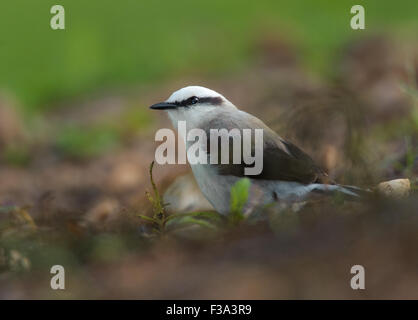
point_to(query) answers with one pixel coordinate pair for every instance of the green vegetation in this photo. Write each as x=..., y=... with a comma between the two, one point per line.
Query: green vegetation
x=163, y=223
x=83, y=142
x=239, y=197
x=110, y=44
x=86, y=142
x=16, y=155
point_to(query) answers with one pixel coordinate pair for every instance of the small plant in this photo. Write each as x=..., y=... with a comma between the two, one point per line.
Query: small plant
x=239, y=197
x=158, y=207
x=162, y=223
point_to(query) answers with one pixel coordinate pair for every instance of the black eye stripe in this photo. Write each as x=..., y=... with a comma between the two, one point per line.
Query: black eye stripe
x=186, y=102
x=209, y=100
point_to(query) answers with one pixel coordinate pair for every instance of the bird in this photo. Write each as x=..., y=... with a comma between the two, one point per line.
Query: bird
x=288, y=174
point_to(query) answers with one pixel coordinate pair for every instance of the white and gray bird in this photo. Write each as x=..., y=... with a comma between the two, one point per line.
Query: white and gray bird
x=288, y=175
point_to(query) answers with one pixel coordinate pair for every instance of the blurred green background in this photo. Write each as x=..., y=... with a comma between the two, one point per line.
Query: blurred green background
x=111, y=44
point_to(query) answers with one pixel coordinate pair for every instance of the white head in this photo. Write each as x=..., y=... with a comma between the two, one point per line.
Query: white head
x=192, y=104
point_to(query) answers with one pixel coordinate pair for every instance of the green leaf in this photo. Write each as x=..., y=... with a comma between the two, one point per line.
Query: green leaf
x=149, y=219
x=159, y=216
x=157, y=202
x=191, y=220
x=239, y=197
x=204, y=214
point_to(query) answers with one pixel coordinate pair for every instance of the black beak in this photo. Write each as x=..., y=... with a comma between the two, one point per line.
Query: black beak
x=163, y=106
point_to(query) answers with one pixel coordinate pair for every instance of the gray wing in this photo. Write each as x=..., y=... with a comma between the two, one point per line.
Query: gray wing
x=281, y=159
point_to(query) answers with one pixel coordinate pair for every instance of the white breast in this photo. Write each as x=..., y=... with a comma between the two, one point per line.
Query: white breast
x=214, y=187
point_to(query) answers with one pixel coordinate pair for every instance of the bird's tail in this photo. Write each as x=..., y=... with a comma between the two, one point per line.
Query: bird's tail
x=348, y=192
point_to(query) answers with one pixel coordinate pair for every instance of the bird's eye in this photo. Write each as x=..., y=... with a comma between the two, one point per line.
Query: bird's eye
x=194, y=100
